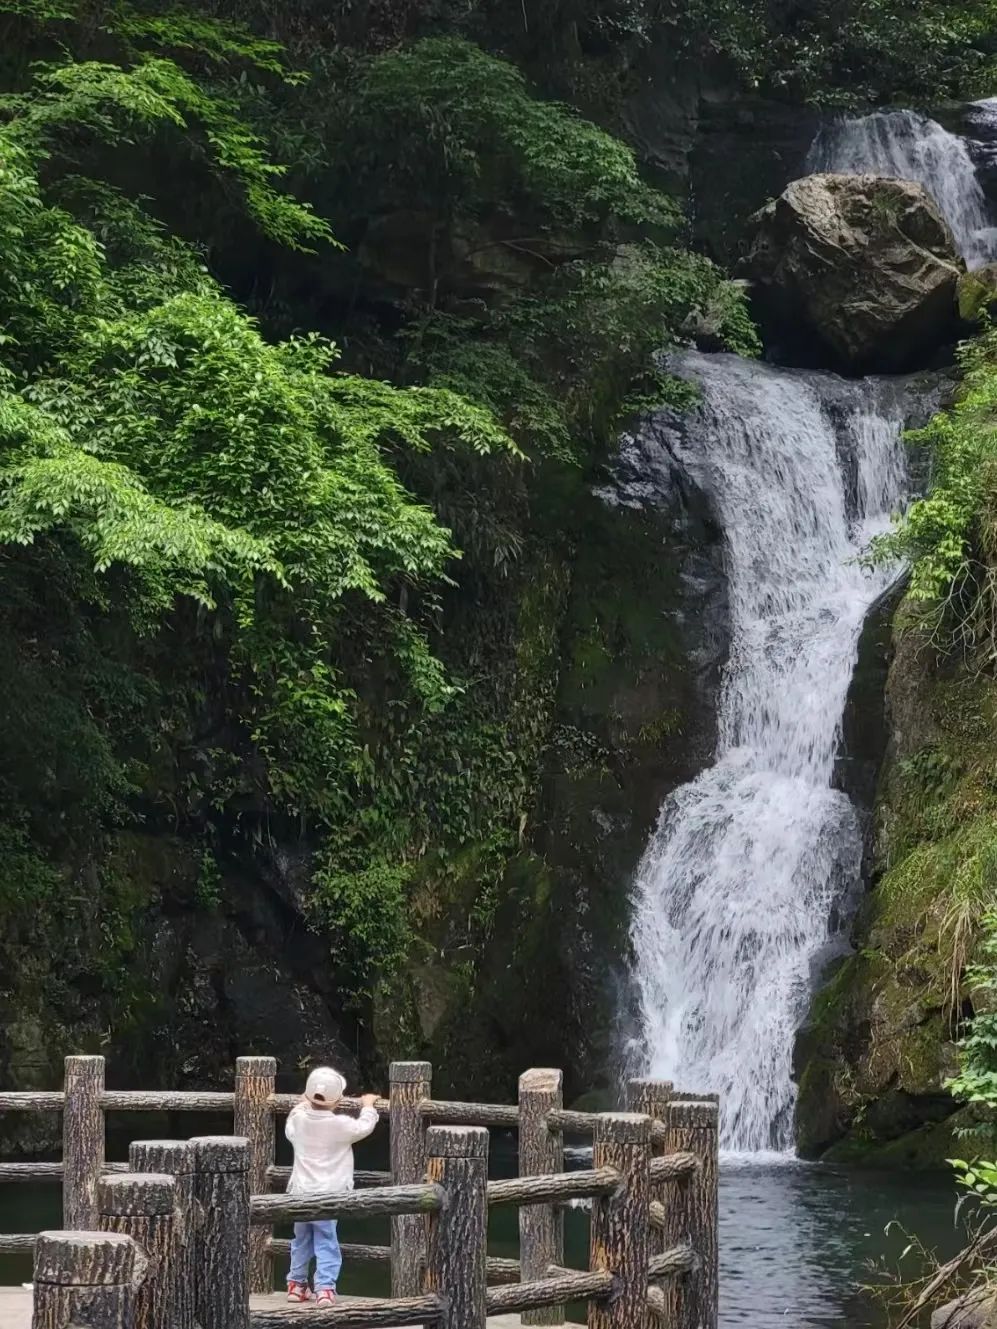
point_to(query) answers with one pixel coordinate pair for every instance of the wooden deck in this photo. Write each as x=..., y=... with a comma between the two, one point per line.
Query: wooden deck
x=15, y=1309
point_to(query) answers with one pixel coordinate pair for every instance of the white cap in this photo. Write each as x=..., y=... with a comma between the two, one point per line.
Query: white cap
x=324, y=1085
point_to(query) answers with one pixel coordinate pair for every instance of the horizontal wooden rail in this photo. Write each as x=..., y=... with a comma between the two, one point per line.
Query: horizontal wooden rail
x=363, y=1180
x=31, y=1102
x=360, y=1314
x=361, y=1253
x=17, y=1243
x=443, y=1113
x=287, y=1102
x=13, y=1174
x=549, y=1188
x=583, y=1123
x=265, y=1210
x=165, y=1100
x=673, y=1167
x=518, y=1297
x=669, y=1264
x=499, y=1270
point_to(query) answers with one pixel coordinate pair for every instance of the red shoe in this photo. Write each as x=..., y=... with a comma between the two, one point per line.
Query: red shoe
x=325, y=1296
x=299, y=1292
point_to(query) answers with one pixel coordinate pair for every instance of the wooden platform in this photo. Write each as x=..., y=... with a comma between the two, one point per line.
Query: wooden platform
x=15, y=1309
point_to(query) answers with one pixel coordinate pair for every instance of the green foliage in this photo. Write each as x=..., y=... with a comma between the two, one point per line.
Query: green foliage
x=566, y=362
x=976, y=1081
x=142, y=93
x=442, y=124
x=849, y=52
x=949, y=537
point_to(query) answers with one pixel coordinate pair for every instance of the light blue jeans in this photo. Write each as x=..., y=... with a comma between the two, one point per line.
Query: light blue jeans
x=318, y=1240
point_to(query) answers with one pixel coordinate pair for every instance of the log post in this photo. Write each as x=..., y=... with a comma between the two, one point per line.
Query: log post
x=141, y=1206
x=175, y=1158
x=221, y=1190
x=652, y=1097
x=457, y=1160
x=620, y=1221
x=541, y=1226
x=409, y=1083
x=255, y=1081
x=691, y=1214
x=82, y=1141
x=85, y=1278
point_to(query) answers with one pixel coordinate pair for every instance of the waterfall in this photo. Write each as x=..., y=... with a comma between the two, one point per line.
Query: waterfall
x=737, y=892
x=909, y=146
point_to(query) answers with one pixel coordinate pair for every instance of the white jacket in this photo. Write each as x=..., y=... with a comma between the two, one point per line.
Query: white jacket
x=323, y=1147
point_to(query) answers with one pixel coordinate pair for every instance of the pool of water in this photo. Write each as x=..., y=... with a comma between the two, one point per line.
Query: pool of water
x=797, y=1241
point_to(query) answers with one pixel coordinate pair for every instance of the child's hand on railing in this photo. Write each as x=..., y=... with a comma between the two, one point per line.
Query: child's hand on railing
x=368, y=1100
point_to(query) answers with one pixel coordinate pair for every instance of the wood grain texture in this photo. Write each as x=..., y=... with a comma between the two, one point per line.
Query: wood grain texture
x=175, y=1158
x=352, y=1252
x=619, y=1240
x=349, y=1106
x=13, y=1174
x=673, y=1262
x=271, y=1209
x=255, y=1079
x=409, y=1086
x=141, y=1206
x=31, y=1101
x=17, y=1243
x=82, y=1141
x=652, y=1097
x=691, y=1214
x=457, y=1161
x=541, y=1227
x=221, y=1190
x=673, y=1167
x=355, y=1314
x=584, y=1184
x=165, y=1100
x=546, y=1292
x=443, y=1112
x=86, y=1278
x=363, y=1179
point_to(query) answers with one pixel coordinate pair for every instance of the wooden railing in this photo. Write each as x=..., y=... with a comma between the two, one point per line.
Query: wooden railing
x=199, y=1218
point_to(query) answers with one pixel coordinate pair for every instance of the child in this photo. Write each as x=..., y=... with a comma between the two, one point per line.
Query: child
x=323, y=1161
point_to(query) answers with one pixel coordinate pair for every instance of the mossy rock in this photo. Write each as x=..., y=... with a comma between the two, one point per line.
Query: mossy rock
x=976, y=294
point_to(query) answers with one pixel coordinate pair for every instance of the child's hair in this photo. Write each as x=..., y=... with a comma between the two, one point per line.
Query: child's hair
x=324, y=1085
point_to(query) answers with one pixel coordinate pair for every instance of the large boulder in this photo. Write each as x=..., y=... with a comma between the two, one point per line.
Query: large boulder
x=862, y=268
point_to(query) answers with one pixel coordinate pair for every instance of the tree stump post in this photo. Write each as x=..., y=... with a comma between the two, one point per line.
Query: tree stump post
x=652, y=1097
x=409, y=1083
x=620, y=1221
x=82, y=1141
x=691, y=1214
x=141, y=1206
x=85, y=1278
x=541, y=1226
x=457, y=1160
x=255, y=1081
x=221, y=1190
x=175, y=1158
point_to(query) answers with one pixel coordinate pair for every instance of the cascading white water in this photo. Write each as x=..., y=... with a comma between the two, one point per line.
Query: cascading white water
x=737, y=888
x=909, y=146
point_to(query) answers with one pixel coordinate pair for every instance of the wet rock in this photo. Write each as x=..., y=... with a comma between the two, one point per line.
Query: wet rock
x=863, y=266
x=976, y=1310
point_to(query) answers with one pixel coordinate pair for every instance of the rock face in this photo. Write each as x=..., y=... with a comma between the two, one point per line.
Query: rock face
x=864, y=267
x=976, y=1310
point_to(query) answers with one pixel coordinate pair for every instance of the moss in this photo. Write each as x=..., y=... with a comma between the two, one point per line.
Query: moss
x=878, y=1047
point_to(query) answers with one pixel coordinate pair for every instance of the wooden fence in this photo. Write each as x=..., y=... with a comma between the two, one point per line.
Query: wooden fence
x=181, y=1235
